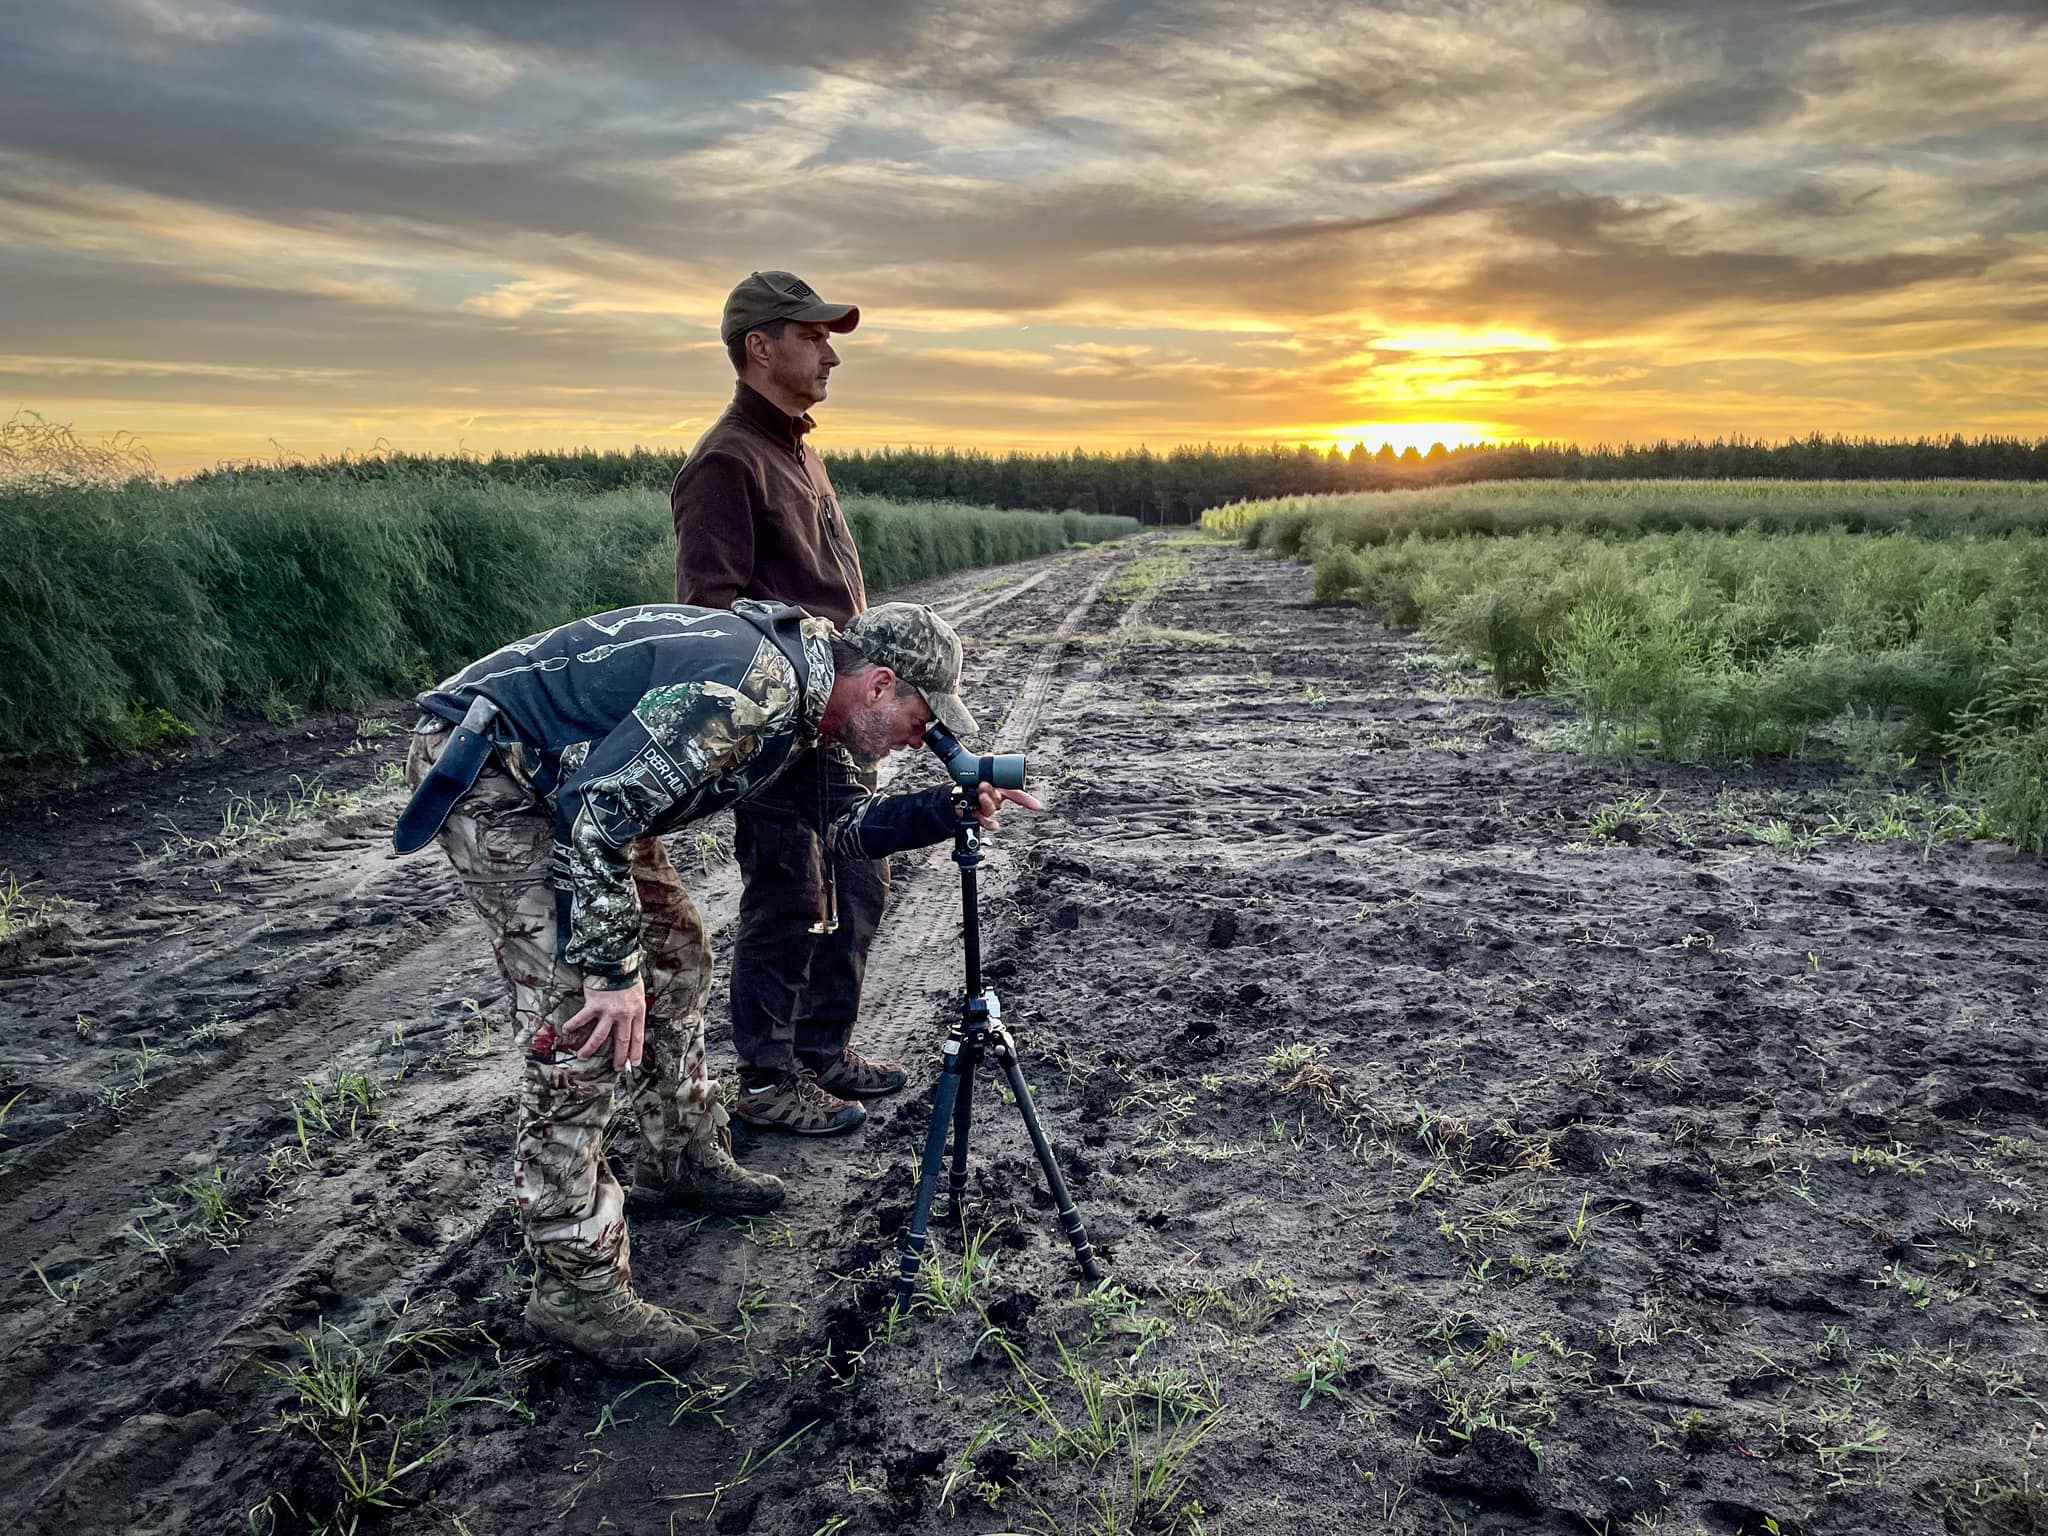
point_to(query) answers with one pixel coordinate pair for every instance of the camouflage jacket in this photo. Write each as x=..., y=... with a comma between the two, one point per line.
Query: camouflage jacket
x=632, y=723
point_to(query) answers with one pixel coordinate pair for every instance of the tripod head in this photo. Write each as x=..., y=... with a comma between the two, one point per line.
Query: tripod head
x=1004, y=770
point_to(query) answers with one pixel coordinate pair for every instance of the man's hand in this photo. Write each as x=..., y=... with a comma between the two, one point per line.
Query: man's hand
x=993, y=800
x=615, y=1014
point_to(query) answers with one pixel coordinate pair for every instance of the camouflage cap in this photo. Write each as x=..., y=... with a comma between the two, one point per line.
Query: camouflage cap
x=766, y=296
x=922, y=650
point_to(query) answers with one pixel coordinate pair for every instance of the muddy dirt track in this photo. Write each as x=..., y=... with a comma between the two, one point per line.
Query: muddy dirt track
x=1478, y=1139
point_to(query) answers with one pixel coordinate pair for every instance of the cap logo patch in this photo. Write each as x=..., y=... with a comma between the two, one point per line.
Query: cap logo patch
x=799, y=289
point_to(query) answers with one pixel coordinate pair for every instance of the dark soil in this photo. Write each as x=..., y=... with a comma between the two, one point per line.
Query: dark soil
x=1456, y=1166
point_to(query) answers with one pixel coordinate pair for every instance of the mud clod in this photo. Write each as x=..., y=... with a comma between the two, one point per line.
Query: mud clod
x=913, y=1467
x=737, y=1514
x=1496, y=1473
x=1014, y=1311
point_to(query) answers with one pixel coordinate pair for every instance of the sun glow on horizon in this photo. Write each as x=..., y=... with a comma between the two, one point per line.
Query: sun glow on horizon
x=1403, y=435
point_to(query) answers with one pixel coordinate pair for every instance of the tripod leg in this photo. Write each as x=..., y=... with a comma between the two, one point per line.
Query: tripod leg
x=1070, y=1219
x=963, y=1117
x=928, y=1177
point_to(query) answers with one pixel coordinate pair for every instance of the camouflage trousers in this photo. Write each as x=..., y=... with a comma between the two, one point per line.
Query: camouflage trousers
x=571, y=1206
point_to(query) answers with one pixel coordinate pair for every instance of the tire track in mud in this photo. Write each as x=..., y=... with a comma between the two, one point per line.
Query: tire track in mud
x=1020, y=721
x=280, y=1021
x=963, y=610
x=381, y=1218
x=79, y=1217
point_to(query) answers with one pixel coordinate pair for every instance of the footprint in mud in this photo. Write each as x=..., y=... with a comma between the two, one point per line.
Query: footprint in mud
x=124, y=1345
x=1495, y=1472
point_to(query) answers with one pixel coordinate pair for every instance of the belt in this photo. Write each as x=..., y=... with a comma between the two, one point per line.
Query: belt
x=448, y=780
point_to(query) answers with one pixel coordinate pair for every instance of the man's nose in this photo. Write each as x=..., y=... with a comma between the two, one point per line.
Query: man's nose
x=829, y=358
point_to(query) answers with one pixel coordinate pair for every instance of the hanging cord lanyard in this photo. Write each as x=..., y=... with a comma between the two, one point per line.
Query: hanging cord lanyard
x=830, y=922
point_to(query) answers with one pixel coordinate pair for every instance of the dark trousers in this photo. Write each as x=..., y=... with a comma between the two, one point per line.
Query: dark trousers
x=796, y=993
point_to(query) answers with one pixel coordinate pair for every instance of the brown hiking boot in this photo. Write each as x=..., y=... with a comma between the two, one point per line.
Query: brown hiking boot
x=795, y=1103
x=851, y=1075
x=701, y=1174
x=612, y=1326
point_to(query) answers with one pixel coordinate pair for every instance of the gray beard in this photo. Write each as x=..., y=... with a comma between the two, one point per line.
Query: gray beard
x=868, y=736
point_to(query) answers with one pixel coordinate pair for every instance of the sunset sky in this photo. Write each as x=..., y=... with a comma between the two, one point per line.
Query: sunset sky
x=312, y=227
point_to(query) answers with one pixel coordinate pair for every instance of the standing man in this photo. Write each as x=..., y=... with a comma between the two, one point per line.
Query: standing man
x=548, y=772
x=756, y=518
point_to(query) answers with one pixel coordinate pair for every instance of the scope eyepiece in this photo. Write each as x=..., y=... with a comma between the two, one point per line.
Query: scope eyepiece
x=1004, y=770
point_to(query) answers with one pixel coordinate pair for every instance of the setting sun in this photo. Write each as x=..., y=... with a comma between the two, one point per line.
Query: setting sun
x=1403, y=435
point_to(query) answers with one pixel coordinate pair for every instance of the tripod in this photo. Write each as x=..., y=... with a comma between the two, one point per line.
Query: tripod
x=980, y=1032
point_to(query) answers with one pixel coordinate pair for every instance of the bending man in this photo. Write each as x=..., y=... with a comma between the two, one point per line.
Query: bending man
x=547, y=771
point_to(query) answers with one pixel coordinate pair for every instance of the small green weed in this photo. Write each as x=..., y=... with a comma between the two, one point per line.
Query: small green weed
x=1896, y=1161
x=1288, y=1059
x=219, y=1222
x=1146, y=1424
x=1322, y=1369
x=950, y=1293
x=1624, y=820
x=8, y=1108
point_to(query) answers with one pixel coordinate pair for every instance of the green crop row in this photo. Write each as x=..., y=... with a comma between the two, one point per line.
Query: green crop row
x=1745, y=643
x=1931, y=508
x=134, y=608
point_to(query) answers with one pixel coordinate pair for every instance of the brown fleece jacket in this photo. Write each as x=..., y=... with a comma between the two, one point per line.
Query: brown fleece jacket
x=756, y=517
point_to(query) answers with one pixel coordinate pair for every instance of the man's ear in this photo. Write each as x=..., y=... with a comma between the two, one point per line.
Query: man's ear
x=880, y=681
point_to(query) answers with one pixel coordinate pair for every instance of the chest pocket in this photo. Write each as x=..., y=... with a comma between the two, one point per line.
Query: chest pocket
x=838, y=536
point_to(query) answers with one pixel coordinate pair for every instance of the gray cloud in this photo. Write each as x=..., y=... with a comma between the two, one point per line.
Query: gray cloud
x=1707, y=107
x=1608, y=264
x=1823, y=200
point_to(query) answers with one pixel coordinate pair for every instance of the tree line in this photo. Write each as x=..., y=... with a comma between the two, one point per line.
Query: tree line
x=1176, y=486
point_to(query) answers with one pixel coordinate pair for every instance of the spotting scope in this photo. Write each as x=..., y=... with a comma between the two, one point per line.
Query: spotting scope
x=1004, y=770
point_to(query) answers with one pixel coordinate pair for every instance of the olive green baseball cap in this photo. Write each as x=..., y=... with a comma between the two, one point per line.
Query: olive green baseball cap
x=766, y=296
x=922, y=649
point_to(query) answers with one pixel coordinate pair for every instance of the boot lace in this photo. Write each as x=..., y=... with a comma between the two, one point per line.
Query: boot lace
x=814, y=1093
